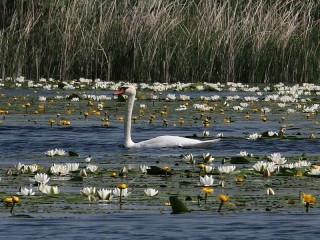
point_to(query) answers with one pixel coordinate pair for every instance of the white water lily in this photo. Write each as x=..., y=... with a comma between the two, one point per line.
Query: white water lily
x=314, y=171
x=272, y=134
x=26, y=192
x=254, y=136
x=92, y=168
x=189, y=159
x=32, y=168
x=207, y=158
x=270, y=191
x=43, y=188
x=124, y=170
x=72, y=167
x=206, y=180
x=124, y=192
x=243, y=154
x=277, y=158
x=261, y=166
x=144, y=168
x=50, y=190
x=88, y=159
x=59, y=169
x=297, y=164
x=151, y=192
x=208, y=169
x=41, y=178
x=205, y=133
x=226, y=169
x=56, y=152
x=83, y=173
x=87, y=191
x=21, y=167
x=220, y=135
x=104, y=194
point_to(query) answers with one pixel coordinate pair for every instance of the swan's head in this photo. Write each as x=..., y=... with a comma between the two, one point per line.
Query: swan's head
x=126, y=90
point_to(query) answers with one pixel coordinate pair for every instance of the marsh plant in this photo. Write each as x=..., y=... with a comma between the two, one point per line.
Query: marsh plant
x=159, y=40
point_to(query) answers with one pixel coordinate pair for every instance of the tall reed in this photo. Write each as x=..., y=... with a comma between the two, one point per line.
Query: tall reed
x=256, y=41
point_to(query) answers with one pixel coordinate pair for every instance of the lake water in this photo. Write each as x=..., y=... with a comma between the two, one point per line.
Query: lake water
x=137, y=225
x=25, y=137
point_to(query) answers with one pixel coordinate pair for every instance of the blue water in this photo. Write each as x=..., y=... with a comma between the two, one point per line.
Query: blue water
x=194, y=225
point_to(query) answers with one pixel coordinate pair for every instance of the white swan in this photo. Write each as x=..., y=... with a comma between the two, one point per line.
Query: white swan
x=157, y=142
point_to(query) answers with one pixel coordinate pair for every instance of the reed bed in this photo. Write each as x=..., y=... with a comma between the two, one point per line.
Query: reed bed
x=254, y=41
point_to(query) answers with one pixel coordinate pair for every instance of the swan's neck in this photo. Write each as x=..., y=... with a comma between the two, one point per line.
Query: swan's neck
x=127, y=124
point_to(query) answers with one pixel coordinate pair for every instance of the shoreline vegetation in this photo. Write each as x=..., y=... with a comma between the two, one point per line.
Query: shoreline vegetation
x=253, y=41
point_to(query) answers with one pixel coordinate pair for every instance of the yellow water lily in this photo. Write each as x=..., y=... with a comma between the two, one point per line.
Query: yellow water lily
x=309, y=200
x=223, y=198
x=206, y=191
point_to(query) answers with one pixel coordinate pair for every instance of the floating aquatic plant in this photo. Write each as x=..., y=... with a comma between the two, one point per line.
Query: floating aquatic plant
x=223, y=198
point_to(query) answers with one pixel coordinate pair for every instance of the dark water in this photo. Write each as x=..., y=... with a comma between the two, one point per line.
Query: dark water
x=21, y=143
x=137, y=225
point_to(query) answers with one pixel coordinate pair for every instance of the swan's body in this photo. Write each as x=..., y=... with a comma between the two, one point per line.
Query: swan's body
x=157, y=142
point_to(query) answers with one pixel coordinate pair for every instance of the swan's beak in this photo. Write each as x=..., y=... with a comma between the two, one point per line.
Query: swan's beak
x=119, y=91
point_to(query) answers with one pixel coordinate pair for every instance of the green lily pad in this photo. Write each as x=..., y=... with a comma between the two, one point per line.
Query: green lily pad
x=177, y=205
x=239, y=160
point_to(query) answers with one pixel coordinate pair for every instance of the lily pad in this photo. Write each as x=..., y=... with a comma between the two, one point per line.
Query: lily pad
x=73, y=154
x=239, y=160
x=177, y=205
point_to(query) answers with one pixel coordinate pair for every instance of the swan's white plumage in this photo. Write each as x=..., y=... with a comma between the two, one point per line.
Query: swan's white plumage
x=157, y=142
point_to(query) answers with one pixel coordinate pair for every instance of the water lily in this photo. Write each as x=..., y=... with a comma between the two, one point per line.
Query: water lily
x=59, y=169
x=223, y=198
x=124, y=170
x=270, y=191
x=26, y=192
x=55, y=152
x=92, y=168
x=104, y=194
x=254, y=136
x=49, y=190
x=87, y=191
x=88, y=159
x=207, y=158
x=208, y=169
x=83, y=173
x=206, y=180
x=206, y=191
x=205, y=133
x=121, y=191
x=151, y=192
x=277, y=158
x=144, y=168
x=244, y=154
x=261, y=166
x=21, y=167
x=32, y=168
x=226, y=169
x=166, y=169
x=189, y=159
x=41, y=178
x=309, y=199
x=11, y=200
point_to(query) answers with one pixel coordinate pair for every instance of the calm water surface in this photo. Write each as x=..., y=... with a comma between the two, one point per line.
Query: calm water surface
x=133, y=225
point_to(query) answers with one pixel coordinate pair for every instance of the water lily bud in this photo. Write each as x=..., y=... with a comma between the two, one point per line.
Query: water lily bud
x=270, y=191
x=83, y=173
x=122, y=186
x=266, y=173
x=15, y=199
x=123, y=170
